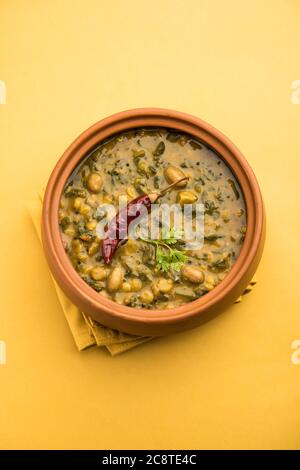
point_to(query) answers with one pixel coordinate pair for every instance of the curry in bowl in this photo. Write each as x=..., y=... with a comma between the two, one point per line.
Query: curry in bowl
x=141, y=167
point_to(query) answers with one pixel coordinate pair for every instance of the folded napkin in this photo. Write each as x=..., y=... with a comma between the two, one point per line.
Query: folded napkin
x=86, y=331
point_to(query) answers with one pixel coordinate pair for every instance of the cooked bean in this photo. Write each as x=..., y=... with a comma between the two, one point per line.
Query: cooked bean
x=186, y=197
x=82, y=257
x=94, y=182
x=84, y=209
x=192, y=274
x=136, y=284
x=173, y=174
x=155, y=289
x=115, y=279
x=98, y=273
x=165, y=285
x=142, y=167
x=92, y=200
x=77, y=203
x=126, y=287
x=77, y=245
x=131, y=192
x=210, y=280
x=62, y=214
x=91, y=224
x=94, y=247
x=70, y=231
x=127, y=298
x=209, y=286
x=147, y=295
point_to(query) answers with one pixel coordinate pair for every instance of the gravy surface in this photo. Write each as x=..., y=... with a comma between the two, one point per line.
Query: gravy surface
x=143, y=274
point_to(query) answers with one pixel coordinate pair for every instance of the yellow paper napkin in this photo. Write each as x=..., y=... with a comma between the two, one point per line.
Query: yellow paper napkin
x=86, y=331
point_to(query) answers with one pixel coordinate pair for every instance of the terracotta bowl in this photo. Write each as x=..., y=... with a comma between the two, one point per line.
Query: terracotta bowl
x=140, y=321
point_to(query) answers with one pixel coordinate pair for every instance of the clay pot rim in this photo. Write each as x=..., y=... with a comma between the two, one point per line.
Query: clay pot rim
x=66, y=276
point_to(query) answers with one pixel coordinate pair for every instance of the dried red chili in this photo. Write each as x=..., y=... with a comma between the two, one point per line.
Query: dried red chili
x=116, y=230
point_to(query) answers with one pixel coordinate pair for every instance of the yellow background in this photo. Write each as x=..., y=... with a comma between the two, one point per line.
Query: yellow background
x=67, y=64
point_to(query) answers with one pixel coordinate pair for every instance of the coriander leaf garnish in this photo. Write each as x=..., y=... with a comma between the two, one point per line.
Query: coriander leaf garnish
x=167, y=257
x=162, y=259
x=170, y=237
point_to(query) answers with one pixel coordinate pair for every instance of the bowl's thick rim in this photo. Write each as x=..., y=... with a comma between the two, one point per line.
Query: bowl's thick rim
x=107, y=311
